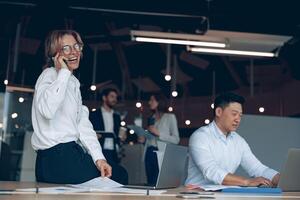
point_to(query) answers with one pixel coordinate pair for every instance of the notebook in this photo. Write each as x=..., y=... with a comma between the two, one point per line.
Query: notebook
x=172, y=169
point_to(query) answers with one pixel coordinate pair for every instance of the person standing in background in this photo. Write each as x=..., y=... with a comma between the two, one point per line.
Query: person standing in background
x=62, y=130
x=164, y=127
x=108, y=122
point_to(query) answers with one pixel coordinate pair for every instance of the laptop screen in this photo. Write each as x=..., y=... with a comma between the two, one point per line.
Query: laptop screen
x=173, y=166
x=290, y=174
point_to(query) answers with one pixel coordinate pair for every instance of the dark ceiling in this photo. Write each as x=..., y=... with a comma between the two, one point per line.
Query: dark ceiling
x=106, y=25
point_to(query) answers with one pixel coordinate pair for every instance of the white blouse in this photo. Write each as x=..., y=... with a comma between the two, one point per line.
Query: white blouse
x=58, y=115
x=167, y=128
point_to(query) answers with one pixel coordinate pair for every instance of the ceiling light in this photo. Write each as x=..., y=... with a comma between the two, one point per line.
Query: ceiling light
x=261, y=109
x=174, y=94
x=168, y=77
x=231, y=52
x=14, y=115
x=170, y=109
x=138, y=104
x=21, y=99
x=93, y=87
x=123, y=123
x=174, y=38
x=180, y=42
x=188, y=122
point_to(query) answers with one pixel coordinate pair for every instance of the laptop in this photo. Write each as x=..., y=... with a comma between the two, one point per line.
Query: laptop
x=172, y=169
x=290, y=175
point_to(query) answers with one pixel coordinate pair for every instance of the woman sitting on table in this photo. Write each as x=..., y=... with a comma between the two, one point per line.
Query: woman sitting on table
x=68, y=151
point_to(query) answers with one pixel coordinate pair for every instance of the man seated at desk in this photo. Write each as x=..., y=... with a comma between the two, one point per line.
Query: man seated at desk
x=216, y=150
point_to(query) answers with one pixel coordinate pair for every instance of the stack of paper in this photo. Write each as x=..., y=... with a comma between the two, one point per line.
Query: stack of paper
x=216, y=187
x=105, y=184
x=98, y=184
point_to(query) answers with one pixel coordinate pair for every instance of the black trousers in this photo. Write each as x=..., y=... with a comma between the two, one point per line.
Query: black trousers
x=67, y=163
x=151, y=165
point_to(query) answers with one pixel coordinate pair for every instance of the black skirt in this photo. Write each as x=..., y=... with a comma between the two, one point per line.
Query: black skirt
x=65, y=163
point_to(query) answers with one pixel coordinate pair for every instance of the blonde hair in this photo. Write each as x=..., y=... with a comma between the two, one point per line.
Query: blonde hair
x=53, y=43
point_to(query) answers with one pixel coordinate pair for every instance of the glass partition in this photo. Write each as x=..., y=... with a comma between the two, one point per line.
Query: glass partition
x=17, y=156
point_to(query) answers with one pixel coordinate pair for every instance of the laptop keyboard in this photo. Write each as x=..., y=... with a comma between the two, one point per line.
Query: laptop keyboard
x=265, y=186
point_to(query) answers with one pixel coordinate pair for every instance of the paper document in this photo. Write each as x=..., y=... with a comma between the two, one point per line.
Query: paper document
x=105, y=184
x=98, y=183
x=54, y=190
x=108, y=144
x=216, y=187
x=128, y=190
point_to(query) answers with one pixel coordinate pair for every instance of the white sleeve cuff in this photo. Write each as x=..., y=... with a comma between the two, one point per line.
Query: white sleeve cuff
x=97, y=155
x=269, y=173
x=220, y=178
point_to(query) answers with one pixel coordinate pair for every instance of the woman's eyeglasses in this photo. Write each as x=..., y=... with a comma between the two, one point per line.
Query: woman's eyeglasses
x=67, y=49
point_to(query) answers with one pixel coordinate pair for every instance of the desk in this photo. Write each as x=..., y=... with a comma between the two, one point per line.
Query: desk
x=170, y=195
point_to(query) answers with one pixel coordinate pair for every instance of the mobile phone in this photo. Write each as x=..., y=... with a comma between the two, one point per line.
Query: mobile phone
x=65, y=61
x=151, y=121
x=193, y=192
x=52, y=62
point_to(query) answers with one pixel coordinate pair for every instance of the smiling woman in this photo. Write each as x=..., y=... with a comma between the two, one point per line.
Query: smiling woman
x=59, y=119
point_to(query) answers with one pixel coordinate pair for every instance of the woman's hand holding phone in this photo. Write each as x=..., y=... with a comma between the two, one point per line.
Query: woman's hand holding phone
x=59, y=62
x=153, y=130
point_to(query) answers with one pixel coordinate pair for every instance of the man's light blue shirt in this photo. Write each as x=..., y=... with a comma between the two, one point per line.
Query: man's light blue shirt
x=212, y=156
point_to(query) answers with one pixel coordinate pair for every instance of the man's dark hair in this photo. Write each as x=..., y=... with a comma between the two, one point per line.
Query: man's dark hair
x=106, y=91
x=223, y=100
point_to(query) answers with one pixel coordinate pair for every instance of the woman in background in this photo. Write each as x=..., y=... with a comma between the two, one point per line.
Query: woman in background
x=164, y=127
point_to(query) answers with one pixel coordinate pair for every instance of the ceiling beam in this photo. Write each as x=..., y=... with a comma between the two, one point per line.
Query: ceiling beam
x=127, y=89
x=194, y=60
x=233, y=73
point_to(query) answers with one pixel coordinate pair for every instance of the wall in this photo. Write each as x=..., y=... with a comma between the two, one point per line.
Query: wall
x=270, y=137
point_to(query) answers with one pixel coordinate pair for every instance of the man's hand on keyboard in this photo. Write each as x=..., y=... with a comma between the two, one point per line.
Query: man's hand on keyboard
x=258, y=181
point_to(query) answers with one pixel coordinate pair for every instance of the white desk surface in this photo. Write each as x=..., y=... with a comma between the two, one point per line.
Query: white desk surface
x=169, y=195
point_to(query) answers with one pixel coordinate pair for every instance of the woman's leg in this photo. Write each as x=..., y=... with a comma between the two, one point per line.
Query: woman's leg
x=65, y=163
x=151, y=165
